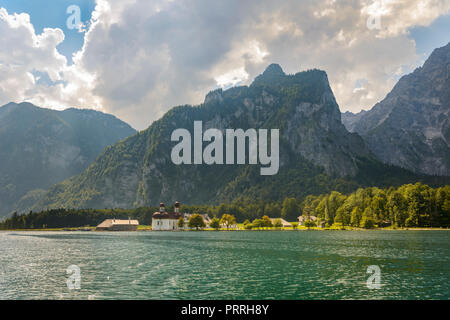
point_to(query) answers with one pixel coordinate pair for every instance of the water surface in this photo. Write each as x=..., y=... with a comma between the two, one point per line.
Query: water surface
x=225, y=265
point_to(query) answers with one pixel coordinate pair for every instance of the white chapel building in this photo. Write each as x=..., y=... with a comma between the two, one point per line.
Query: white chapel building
x=166, y=221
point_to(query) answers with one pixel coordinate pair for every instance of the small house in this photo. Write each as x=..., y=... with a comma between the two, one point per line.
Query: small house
x=205, y=217
x=118, y=225
x=303, y=219
x=284, y=223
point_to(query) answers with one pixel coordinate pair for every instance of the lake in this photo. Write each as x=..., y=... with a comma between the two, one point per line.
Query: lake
x=225, y=265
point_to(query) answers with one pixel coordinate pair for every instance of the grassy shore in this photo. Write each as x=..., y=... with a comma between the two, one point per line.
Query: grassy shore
x=240, y=227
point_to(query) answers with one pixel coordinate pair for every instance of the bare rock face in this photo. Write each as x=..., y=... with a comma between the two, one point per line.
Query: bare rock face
x=411, y=126
x=350, y=119
x=314, y=131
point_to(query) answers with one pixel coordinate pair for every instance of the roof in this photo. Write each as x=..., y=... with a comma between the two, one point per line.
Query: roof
x=204, y=216
x=283, y=222
x=166, y=215
x=108, y=223
x=304, y=218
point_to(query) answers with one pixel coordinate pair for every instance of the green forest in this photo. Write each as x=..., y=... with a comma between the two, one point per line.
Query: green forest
x=410, y=205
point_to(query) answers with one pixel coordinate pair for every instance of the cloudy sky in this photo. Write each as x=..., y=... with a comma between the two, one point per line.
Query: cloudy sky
x=138, y=58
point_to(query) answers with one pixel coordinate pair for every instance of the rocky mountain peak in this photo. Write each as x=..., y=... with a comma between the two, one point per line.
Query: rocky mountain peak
x=273, y=74
x=438, y=60
x=274, y=70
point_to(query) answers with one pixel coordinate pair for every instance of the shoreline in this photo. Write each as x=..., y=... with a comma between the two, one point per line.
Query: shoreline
x=148, y=229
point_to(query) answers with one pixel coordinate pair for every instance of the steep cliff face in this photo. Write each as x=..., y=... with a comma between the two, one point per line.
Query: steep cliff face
x=411, y=126
x=350, y=119
x=317, y=153
x=40, y=147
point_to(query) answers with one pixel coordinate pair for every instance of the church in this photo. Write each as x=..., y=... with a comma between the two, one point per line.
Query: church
x=166, y=221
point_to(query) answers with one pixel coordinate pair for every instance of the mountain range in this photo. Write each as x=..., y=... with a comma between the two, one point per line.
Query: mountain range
x=87, y=159
x=411, y=126
x=41, y=147
x=317, y=153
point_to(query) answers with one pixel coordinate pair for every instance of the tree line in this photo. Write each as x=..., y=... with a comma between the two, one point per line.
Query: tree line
x=411, y=205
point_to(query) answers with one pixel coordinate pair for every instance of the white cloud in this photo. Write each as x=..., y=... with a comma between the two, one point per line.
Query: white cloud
x=232, y=78
x=142, y=57
x=24, y=53
x=397, y=16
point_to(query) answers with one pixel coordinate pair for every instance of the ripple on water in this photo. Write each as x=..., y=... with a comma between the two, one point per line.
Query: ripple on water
x=225, y=265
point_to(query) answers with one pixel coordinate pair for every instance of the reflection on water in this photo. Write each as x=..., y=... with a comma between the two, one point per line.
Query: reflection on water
x=225, y=265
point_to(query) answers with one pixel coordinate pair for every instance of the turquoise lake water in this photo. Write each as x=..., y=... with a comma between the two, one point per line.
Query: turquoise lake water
x=225, y=265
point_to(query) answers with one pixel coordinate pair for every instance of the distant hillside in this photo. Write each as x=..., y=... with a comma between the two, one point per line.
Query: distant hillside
x=317, y=154
x=411, y=126
x=40, y=147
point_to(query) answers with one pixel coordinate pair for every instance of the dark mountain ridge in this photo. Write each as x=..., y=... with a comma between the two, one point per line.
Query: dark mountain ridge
x=40, y=147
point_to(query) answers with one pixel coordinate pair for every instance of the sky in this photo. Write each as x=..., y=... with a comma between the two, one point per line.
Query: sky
x=136, y=59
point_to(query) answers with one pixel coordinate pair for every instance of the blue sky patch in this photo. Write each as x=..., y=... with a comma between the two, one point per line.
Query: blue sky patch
x=53, y=14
